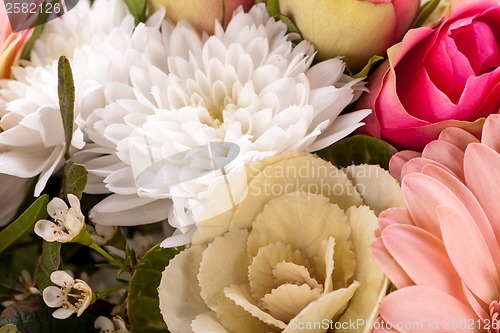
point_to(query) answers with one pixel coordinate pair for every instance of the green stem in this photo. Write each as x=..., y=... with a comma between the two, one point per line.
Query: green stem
x=94, y=246
x=106, y=292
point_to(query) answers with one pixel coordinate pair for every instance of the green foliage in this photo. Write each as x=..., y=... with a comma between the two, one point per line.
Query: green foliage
x=33, y=316
x=138, y=9
x=143, y=302
x=66, y=91
x=49, y=261
x=368, y=67
x=75, y=179
x=9, y=328
x=359, y=149
x=424, y=13
x=24, y=224
x=31, y=42
x=273, y=9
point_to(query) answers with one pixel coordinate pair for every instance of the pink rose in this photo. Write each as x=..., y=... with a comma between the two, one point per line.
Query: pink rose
x=435, y=78
x=201, y=14
x=11, y=44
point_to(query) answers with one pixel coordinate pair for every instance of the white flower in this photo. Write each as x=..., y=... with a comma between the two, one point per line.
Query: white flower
x=72, y=295
x=12, y=194
x=248, y=85
x=68, y=222
x=32, y=140
x=101, y=234
x=105, y=325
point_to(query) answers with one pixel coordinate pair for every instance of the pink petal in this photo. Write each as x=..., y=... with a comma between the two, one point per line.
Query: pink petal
x=396, y=215
x=423, y=194
x=482, y=177
x=469, y=253
x=428, y=308
x=416, y=137
x=479, y=44
x=367, y=100
x=417, y=164
x=398, y=161
x=473, y=207
x=389, y=266
x=413, y=249
x=458, y=137
x=446, y=154
x=491, y=132
x=480, y=308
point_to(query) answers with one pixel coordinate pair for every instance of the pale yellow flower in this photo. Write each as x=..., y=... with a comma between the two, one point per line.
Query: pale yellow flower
x=296, y=251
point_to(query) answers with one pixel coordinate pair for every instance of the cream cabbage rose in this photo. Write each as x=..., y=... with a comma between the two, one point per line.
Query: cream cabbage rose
x=295, y=252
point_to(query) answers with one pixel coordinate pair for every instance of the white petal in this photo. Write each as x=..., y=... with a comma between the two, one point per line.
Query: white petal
x=207, y=322
x=53, y=297
x=62, y=313
x=63, y=279
x=57, y=209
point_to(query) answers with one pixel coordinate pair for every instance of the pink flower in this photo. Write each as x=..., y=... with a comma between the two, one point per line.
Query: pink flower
x=201, y=14
x=11, y=44
x=442, y=251
x=436, y=78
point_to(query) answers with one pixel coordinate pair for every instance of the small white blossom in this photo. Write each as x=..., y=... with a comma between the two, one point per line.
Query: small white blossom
x=72, y=295
x=105, y=325
x=101, y=234
x=68, y=222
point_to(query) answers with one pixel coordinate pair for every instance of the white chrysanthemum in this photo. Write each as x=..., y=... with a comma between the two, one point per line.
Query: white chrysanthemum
x=102, y=46
x=248, y=85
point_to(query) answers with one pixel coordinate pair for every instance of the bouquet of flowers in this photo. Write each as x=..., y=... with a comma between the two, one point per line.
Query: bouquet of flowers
x=249, y=166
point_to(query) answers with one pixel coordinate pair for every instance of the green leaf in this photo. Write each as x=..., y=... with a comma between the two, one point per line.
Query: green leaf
x=24, y=224
x=424, y=13
x=143, y=303
x=138, y=9
x=9, y=328
x=368, y=67
x=273, y=8
x=66, y=92
x=75, y=179
x=49, y=261
x=359, y=149
x=31, y=42
x=33, y=316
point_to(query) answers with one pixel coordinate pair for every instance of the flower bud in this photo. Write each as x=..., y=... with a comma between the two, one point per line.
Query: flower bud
x=201, y=13
x=356, y=29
